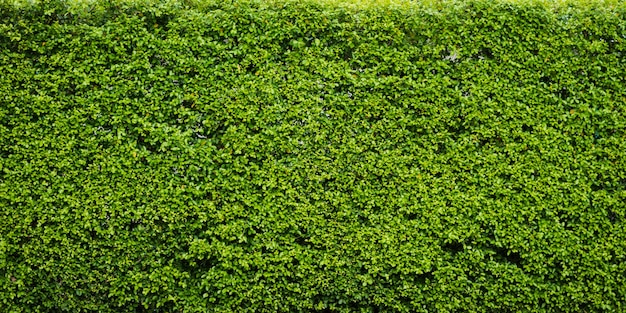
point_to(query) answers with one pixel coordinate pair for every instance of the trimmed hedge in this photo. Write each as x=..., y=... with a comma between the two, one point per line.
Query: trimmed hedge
x=243, y=156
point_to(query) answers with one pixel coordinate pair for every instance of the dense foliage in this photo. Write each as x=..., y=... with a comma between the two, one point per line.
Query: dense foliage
x=280, y=157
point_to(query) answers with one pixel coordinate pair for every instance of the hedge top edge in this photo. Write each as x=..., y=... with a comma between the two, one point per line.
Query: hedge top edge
x=78, y=6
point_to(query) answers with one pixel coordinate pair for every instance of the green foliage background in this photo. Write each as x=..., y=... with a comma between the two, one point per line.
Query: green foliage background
x=244, y=156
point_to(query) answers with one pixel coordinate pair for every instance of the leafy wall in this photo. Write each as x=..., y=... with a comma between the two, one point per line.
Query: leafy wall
x=242, y=156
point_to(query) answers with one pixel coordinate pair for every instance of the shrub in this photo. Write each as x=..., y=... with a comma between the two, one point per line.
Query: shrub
x=250, y=156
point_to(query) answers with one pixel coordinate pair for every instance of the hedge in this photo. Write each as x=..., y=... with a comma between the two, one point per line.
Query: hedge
x=286, y=156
